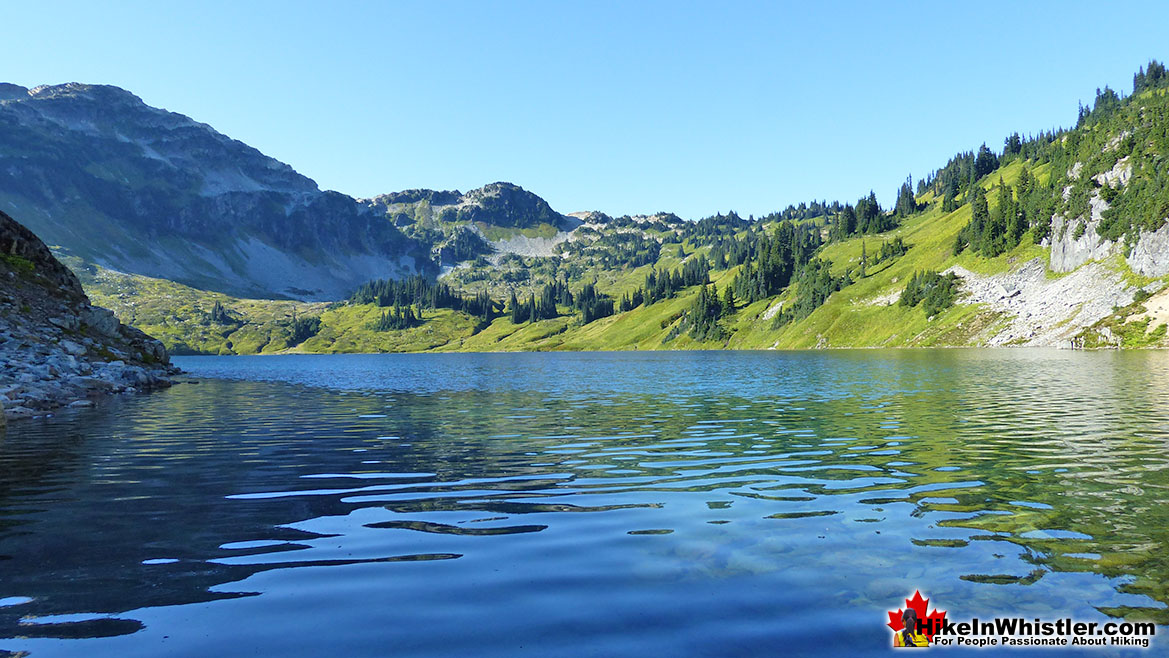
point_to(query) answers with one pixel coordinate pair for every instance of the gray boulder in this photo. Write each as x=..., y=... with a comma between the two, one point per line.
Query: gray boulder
x=101, y=320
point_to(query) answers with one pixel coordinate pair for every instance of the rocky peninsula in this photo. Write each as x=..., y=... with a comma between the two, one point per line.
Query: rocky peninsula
x=56, y=348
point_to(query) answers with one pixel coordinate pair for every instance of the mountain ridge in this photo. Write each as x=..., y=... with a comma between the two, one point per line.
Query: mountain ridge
x=1089, y=200
x=139, y=189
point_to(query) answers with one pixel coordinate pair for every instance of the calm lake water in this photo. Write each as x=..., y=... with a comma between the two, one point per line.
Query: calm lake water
x=628, y=504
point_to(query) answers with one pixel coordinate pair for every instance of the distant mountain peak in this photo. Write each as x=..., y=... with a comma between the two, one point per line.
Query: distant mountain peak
x=147, y=191
x=102, y=93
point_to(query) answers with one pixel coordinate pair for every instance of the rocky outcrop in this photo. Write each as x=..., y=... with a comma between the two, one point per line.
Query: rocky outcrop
x=502, y=205
x=1150, y=255
x=1069, y=251
x=57, y=349
x=1075, y=241
x=496, y=214
x=506, y=205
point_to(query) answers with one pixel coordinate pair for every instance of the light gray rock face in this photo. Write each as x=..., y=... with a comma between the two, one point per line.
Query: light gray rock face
x=55, y=348
x=1150, y=255
x=1069, y=252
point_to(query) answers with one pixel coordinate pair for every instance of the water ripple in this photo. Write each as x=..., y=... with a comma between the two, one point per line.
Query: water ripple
x=666, y=503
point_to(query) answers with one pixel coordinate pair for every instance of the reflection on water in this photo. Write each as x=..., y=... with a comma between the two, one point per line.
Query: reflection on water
x=586, y=504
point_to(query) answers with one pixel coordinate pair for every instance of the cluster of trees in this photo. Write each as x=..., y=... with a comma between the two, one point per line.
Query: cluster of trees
x=592, y=304
x=1152, y=77
x=906, y=204
x=630, y=301
x=889, y=251
x=933, y=291
x=962, y=173
x=729, y=251
x=539, y=308
x=1107, y=102
x=815, y=285
x=1144, y=202
x=1141, y=132
x=465, y=244
x=993, y=232
x=419, y=291
x=220, y=315
x=664, y=285
x=770, y=262
x=955, y=181
x=398, y=317
x=626, y=250
x=612, y=250
x=701, y=318
x=1143, y=205
x=303, y=328
x=805, y=211
x=715, y=227
x=866, y=217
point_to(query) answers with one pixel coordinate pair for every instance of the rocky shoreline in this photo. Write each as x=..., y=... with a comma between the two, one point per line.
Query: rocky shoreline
x=56, y=349
x=45, y=372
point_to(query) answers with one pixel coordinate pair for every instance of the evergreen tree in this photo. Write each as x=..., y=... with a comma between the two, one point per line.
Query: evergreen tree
x=220, y=315
x=984, y=163
x=1149, y=77
x=729, y=300
x=950, y=201
x=516, y=311
x=302, y=328
x=993, y=239
x=972, y=234
x=843, y=225
x=1012, y=145
x=1015, y=225
x=906, y=203
x=397, y=318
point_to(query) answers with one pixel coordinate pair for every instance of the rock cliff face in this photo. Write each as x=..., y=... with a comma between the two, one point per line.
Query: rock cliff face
x=142, y=190
x=55, y=347
x=1071, y=247
x=1150, y=255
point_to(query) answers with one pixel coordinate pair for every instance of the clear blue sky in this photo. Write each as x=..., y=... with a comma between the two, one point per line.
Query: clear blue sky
x=624, y=107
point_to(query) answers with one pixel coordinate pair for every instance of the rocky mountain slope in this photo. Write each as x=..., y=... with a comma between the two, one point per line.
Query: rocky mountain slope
x=498, y=218
x=55, y=347
x=137, y=189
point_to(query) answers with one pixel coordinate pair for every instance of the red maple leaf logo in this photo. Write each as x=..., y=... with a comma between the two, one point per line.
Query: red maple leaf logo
x=919, y=606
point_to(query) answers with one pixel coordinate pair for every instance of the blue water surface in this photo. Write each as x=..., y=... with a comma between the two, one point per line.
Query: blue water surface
x=616, y=504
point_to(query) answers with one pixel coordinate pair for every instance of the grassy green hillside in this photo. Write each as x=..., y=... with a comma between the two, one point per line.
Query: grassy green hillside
x=814, y=276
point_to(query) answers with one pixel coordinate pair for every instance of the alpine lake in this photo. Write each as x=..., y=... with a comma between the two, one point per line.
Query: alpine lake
x=588, y=504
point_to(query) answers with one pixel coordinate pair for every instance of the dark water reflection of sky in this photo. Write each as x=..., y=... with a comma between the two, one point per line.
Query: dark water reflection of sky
x=586, y=504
